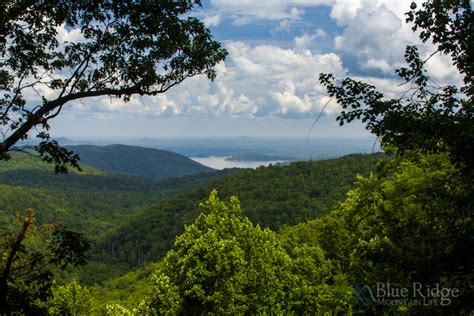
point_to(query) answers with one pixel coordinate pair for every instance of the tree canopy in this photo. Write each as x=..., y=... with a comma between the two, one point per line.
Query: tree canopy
x=125, y=48
x=408, y=224
x=427, y=117
x=223, y=264
x=411, y=220
x=27, y=253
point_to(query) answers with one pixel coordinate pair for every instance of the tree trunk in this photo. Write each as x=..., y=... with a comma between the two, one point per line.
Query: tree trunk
x=4, y=308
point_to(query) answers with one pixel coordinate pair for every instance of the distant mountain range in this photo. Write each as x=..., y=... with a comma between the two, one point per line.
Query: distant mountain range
x=284, y=149
x=144, y=162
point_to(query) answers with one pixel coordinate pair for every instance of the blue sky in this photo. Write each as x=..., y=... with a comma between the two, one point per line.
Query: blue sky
x=268, y=86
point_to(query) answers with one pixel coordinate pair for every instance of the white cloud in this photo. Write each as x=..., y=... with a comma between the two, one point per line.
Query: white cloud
x=71, y=35
x=372, y=32
x=308, y=40
x=284, y=26
x=343, y=12
x=212, y=20
x=440, y=68
x=268, y=80
x=287, y=80
x=261, y=80
x=376, y=35
x=378, y=64
x=248, y=66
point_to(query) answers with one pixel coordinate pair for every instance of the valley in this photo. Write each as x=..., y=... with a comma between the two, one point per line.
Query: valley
x=236, y=158
x=132, y=219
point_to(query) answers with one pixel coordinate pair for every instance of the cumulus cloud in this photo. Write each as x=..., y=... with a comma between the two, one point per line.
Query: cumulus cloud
x=373, y=34
x=308, y=40
x=69, y=35
x=260, y=80
x=375, y=37
x=378, y=64
x=254, y=81
x=286, y=82
x=440, y=68
x=212, y=20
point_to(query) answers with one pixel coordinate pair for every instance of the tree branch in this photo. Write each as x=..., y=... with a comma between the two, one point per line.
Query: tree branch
x=37, y=117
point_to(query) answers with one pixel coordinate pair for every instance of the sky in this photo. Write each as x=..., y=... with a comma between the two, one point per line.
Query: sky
x=268, y=85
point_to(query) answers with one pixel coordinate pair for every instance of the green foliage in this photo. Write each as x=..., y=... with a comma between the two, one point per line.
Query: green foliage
x=410, y=220
x=410, y=223
x=91, y=201
x=271, y=197
x=223, y=264
x=416, y=225
x=127, y=48
x=26, y=259
x=68, y=247
x=421, y=218
x=128, y=289
x=30, y=160
x=69, y=299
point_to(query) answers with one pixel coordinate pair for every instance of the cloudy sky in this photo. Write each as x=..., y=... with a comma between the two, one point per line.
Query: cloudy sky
x=268, y=85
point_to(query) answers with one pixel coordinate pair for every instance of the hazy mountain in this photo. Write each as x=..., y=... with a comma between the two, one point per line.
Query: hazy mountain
x=145, y=162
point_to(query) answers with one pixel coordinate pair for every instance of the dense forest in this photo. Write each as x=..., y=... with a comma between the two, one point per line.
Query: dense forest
x=91, y=201
x=271, y=196
x=380, y=234
x=132, y=220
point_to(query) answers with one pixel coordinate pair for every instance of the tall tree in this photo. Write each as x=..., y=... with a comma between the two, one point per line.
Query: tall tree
x=125, y=48
x=411, y=221
x=25, y=274
x=427, y=117
x=223, y=264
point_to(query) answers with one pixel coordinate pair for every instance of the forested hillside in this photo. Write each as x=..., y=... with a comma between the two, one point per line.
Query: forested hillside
x=270, y=196
x=91, y=201
x=145, y=162
x=365, y=234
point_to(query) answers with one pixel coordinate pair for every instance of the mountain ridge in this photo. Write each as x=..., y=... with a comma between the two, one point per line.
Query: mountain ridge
x=145, y=162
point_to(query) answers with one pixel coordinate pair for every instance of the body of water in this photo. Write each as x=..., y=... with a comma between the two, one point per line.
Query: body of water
x=220, y=162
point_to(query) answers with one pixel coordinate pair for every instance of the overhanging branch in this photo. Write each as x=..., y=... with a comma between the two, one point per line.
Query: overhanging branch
x=40, y=116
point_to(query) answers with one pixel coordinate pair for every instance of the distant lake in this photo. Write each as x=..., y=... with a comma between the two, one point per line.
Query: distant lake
x=220, y=162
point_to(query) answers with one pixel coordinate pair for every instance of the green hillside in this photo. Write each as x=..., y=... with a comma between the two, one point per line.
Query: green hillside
x=91, y=201
x=271, y=196
x=144, y=162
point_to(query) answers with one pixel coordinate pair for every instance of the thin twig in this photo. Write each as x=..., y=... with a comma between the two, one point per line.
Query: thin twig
x=316, y=121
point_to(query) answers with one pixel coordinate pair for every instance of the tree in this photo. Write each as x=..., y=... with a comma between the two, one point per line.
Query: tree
x=24, y=261
x=427, y=117
x=411, y=220
x=400, y=225
x=70, y=299
x=127, y=48
x=409, y=228
x=223, y=264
